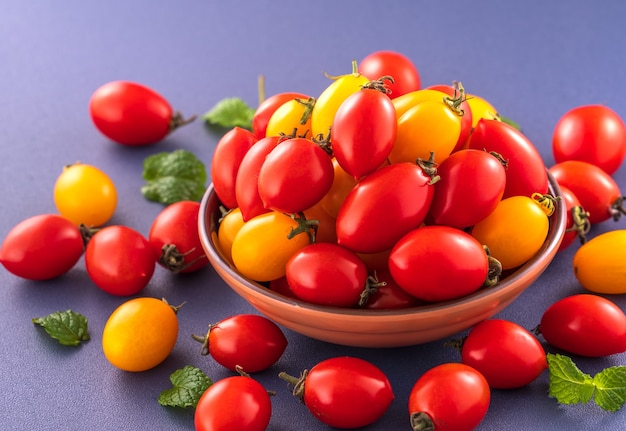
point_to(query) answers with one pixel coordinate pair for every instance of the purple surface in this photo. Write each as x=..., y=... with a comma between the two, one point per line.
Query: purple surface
x=533, y=60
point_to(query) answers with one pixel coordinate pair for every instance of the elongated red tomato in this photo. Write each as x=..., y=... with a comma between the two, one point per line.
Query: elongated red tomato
x=449, y=397
x=227, y=156
x=438, y=263
x=471, y=184
x=364, y=131
x=391, y=63
x=597, y=191
x=383, y=207
x=266, y=108
x=525, y=173
x=42, y=247
x=505, y=353
x=585, y=324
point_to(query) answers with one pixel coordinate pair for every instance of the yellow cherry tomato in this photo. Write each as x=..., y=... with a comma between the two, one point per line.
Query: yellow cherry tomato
x=229, y=226
x=429, y=126
x=331, y=98
x=265, y=243
x=481, y=108
x=515, y=230
x=600, y=263
x=407, y=101
x=140, y=334
x=291, y=118
x=343, y=183
x=85, y=195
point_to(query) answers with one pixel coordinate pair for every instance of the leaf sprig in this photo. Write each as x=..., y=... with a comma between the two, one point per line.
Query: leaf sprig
x=188, y=385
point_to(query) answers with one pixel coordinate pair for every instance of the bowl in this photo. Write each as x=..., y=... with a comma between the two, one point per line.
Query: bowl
x=380, y=328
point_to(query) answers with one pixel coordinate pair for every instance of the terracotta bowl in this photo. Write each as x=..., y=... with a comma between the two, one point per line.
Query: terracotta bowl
x=375, y=328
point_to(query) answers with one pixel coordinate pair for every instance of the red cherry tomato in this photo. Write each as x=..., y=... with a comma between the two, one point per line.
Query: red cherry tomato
x=295, y=176
x=227, y=156
x=390, y=63
x=593, y=133
x=175, y=238
x=364, y=131
x=438, y=263
x=383, y=207
x=585, y=325
x=42, y=247
x=505, y=353
x=344, y=392
x=597, y=191
x=132, y=114
x=471, y=184
x=233, y=403
x=264, y=111
x=449, y=397
x=247, y=180
x=525, y=172
x=577, y=225
x=388, y=295
x=119, y=260
x=326, y=274
x=245, y=341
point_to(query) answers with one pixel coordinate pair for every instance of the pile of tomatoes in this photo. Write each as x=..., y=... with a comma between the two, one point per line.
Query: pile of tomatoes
x=379, y=188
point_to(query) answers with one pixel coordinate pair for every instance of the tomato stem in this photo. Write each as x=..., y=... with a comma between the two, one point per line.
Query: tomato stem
x=261, y=88
x=617, y=209
x=308, y=104
x=297, y=382
x=494, y=271
x=178, y=120
x=371, y=286
x=454, y=102
x=580, y=223
x=379, y=84
x=87, y=232
x=172, y=259
x=421, y=421
x=308, y=227
x=204, y=350
x=546, y=202
x=324, y=142
x=430, y=168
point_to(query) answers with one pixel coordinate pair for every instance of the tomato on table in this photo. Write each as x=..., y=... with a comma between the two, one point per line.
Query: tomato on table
x=599, y=263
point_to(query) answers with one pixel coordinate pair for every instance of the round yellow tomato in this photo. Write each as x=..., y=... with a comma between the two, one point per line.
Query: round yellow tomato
x=515, y=230
x=407, y=101
x=265, y=243
x=481, y=108
x=85, y=195
x=291, y=118
x=229, y=226
x=429, y=126
x=600, y=264
x=140, y=334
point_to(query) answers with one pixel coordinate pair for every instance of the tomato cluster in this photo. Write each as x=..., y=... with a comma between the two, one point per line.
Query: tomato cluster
x=378, y=175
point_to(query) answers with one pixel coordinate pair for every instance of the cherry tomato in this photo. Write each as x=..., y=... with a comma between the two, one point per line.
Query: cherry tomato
x=264, y=244
x=577, y=225
x=230, y=224
x=234, y=403
x=592, y=133
x=292, y=118
x=525, y=172
x=456, y=93
x=599, y=263
x=390, y=63
x=388, y=295
x=133, y=114
x=344, y=391
x=227, y=156
x=383, y=207
x=514, y=231
x=281, y=286
x=449, y=397
x=364, y=130
x=428, y=127
x=140, y=334
x=244, y=341
x=247, y=180
x=267, y=107
x=119, y=260
x=85, y=195
x=327, y=274
x=42, y=247
x=597, y=191
x=505, y=353
x=481, y=108
x=325, y=230
x=438, y=263
x=331, y=98
x=470, y=187
x=295, y=176
x=407, y=101
x=586, y=325
x=175, y=238
x=343, y=183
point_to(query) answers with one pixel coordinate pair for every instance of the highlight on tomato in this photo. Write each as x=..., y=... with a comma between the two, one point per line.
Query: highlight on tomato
x=599, y=264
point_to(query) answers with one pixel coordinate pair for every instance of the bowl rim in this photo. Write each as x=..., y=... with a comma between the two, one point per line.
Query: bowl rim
x=550, y=247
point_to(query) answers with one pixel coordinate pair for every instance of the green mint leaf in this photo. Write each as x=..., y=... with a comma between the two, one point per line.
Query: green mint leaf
x=173, y=177
x=68, y=328
x=610, y=385
x=230, y=112
x=188, y=384
x=568, y=384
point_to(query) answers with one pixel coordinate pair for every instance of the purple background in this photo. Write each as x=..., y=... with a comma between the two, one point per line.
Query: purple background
x=533, y=60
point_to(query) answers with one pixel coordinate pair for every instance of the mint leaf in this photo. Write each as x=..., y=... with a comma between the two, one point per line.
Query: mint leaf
x=173, y=177
x=230, y=112
x=568, y=384
x=68, y=328
x=188, y=385
x=610, y=388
